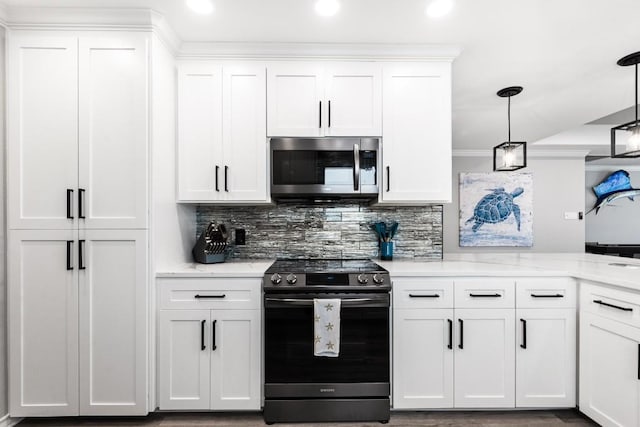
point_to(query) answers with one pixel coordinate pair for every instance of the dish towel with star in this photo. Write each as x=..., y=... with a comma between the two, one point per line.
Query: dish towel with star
x=326, y=321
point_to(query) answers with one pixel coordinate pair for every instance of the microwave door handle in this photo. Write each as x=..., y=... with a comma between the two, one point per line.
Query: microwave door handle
x=356, y=169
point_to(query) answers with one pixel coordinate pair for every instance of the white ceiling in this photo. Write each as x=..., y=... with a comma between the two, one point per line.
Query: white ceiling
x=563, y=52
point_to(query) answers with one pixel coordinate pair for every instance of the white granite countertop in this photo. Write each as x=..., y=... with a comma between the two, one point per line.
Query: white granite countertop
x=578, y=265
x=239, y=268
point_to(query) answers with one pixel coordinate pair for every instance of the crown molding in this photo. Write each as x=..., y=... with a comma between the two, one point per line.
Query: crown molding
x=611, y=168
x=306, y=51
x=165, y=32
x=3, y=15
x=531, y=153
x=70, y=18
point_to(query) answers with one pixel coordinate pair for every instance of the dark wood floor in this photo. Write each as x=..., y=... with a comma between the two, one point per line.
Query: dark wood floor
x=567, y=418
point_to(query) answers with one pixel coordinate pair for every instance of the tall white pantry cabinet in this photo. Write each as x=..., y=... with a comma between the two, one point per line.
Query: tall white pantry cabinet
x=77, y=185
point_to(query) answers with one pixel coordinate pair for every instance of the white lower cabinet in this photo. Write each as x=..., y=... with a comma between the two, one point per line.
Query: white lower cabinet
x=484, y=358
x=461, y=343
x=77, y=322
x=546, y=358
x=423, y=358
x=209, y=359
x=609, y=371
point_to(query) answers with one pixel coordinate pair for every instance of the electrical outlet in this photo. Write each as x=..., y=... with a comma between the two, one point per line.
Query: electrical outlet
x=241, y=236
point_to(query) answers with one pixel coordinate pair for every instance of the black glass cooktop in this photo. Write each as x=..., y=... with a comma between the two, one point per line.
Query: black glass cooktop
x=308, y=266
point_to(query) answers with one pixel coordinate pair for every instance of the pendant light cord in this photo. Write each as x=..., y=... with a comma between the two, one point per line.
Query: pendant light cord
x=509, y=108
x=636, y=94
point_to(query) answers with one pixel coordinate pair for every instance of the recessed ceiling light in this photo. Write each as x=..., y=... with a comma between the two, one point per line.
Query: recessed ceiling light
x=203, y=7
x=327, y=7
x=439, y=8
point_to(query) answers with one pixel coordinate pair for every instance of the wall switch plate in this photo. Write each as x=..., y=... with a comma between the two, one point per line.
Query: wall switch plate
x=572, y=215
x=241, y=236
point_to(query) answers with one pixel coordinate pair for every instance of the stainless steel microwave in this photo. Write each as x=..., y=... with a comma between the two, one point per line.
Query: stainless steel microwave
x=322, y=168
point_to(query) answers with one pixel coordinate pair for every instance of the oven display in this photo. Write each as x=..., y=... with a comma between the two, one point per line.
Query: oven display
x=327, y=279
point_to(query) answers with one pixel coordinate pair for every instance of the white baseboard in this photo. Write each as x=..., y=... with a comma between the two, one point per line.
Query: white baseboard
x=7, y=421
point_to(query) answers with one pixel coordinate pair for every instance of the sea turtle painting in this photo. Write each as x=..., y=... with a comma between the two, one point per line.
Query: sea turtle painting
x=496, y=207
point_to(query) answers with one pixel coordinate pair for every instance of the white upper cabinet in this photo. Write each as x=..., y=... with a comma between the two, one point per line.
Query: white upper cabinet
x=77, y=131
x=416, y=137
x=222, y=149
x=42, y=131
x=113, y=131
x=199, y=131
x=243, y=133
x=318, y=99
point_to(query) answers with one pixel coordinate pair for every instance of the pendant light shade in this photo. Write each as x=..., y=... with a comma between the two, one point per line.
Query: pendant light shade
x=510, y=155
x=628, y=133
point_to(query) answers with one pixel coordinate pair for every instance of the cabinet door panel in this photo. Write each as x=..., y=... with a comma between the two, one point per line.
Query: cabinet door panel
x=417, y=133
x=235, y=360
x=422, y=362
x=183, y=364
x=43, y=323
x=42, y=128
x=200, y=164
x=546, y=368
x=609, y=358
x=113, y=132
x=354, y=97
x=485, y=366
x=294, y=93
x=244, y=133
x=113, y=322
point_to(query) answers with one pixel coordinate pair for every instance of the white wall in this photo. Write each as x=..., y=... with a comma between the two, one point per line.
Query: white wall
x=3, y=243
x=619, y=223
x=558, y=187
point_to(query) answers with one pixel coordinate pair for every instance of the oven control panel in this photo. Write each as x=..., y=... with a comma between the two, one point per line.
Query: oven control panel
x=352, y=281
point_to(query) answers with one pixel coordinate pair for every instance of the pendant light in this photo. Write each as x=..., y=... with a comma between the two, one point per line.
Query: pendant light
x=628, y=133
x=510, y=155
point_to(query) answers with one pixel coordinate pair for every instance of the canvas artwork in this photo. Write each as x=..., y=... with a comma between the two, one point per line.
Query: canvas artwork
x=496, y=209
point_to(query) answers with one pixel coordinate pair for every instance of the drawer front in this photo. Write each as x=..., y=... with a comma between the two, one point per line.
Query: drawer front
x=611, y=303
x=546, y=292
x=422, y=293
x=206, y=293
x=484, y=293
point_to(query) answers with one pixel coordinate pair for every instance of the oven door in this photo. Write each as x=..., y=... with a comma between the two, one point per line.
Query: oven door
x=342, y=167
x=362, y=367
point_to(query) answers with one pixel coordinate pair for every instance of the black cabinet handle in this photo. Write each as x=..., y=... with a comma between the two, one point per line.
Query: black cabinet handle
x=81, y=203
x=524, y=334
x=597, y=301
x=198, y=296
x=69, y=250
x=217, y=169
x=213, y=335
x=202, y=346
x=639, y=361
x=485, y=295
x=461, y=322
x=388, y=179
x=320, y=116
x=450, y=346
x=226, y=176
x=424, y=296
x=69, y=207
x=547, y=296
x=329, y=114
x=81, y=265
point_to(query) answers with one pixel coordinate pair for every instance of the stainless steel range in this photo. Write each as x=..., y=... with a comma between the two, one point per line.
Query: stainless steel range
x=301, y=387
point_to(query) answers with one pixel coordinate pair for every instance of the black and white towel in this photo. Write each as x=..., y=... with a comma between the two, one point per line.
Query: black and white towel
x=326, y=320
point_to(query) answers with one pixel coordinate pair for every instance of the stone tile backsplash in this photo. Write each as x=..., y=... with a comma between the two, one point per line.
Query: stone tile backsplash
x=324, y=231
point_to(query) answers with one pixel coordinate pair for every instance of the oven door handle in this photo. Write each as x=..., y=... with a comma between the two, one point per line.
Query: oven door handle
x=309, y=302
